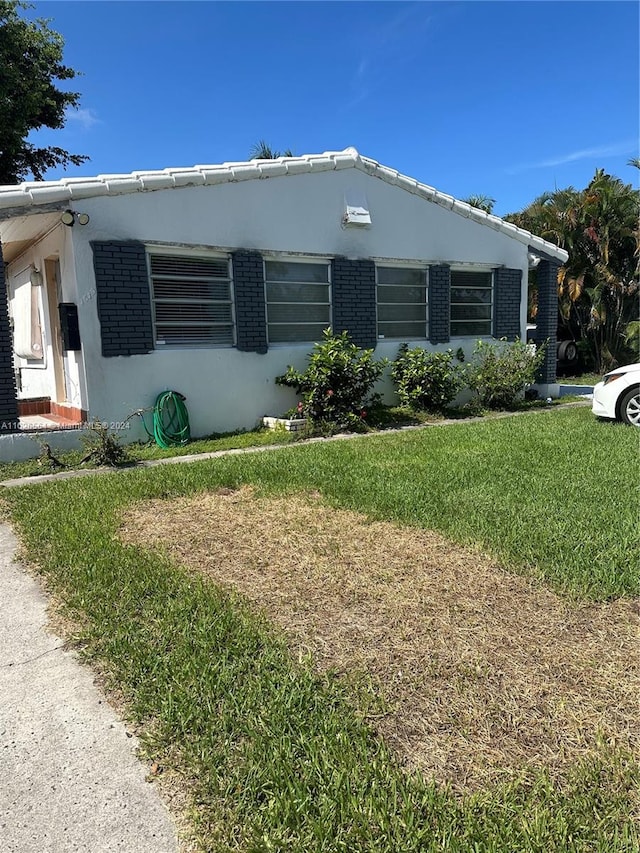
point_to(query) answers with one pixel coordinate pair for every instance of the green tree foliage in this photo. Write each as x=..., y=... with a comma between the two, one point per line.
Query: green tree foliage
x=30, y=67
x=482, y=202
x=598, y=288
x=263, y=151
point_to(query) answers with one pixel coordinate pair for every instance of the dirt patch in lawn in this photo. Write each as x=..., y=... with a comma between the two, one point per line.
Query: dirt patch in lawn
x=485, y=673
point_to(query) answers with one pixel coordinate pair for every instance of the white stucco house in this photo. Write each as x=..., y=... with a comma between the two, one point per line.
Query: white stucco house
x=211, y=280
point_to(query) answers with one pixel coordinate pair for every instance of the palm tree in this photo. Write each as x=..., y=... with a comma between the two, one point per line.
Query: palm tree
x=482, y=202
x=263, y=151
x=598, y=288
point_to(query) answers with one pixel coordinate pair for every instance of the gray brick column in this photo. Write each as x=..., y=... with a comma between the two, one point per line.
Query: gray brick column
x=507, y=285
x=8, y=396
x=354, y=300
x=249, y=295
x=123, y=297
x=439, y=303
x=547, y=318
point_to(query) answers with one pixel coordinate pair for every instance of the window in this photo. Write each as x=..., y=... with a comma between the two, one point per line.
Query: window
x=192, y=300
x=471, y=303
x=402, y=302
x=26, y=312
x=298, y=307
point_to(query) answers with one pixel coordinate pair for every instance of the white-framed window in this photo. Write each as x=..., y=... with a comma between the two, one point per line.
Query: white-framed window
x=471, y=303
x=298, y=299
x=192, y=299
x=401, y=294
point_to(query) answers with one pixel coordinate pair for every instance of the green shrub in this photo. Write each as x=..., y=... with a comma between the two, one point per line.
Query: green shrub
x=500, y=373
x=426, y=380
x=337, y=385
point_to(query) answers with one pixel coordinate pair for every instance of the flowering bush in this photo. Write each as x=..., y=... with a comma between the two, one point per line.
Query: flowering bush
x=500, y=374
x=426, y=380
x=337, y=385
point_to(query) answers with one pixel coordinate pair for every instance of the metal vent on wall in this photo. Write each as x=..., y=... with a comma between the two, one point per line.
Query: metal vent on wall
x=356, y=209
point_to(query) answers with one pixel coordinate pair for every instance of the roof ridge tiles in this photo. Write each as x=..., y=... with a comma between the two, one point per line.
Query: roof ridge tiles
x=38, y=193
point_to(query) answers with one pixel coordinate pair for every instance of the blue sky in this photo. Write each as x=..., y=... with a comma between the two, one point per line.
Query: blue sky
x=504, y=99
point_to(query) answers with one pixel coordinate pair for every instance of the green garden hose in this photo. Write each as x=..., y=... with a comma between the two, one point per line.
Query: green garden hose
x=170, y=420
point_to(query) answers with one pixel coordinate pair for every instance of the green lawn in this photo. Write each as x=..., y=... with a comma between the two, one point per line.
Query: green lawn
x=383, y=418
x=581, y=379
x=140, y=452
x=280, y=757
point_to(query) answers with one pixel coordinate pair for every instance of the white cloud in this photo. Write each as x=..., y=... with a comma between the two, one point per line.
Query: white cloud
x=362, y=67
x=395, y=41
x=85, y=118
x=612, y=150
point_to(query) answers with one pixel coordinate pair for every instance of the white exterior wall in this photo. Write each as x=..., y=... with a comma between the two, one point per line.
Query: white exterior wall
x=300, y=213
x=227, y=389
x=18, y=446
x=40, y=381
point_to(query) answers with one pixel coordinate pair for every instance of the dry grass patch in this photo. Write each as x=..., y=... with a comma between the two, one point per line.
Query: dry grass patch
x=484, y=673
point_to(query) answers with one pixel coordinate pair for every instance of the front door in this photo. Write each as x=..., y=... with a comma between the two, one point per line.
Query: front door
x=52, y=283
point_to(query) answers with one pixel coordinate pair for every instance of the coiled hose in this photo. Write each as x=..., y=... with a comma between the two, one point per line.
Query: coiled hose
x=170, y=420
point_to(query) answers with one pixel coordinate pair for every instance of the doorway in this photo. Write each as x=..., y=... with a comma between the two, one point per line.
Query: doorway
x=52, y=284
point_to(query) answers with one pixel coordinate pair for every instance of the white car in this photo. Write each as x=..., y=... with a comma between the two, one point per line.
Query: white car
x=618, y=395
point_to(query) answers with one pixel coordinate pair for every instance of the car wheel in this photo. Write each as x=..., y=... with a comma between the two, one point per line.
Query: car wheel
x=567, y=351
x=630, y=407
x=571, y=352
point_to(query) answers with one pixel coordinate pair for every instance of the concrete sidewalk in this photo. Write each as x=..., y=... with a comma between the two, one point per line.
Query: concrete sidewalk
x=69, y=778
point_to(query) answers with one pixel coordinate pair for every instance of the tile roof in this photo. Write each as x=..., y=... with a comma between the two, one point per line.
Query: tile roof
x=24, y=198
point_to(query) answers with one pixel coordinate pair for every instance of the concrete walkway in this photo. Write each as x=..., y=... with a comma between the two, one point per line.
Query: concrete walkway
x=69, y=778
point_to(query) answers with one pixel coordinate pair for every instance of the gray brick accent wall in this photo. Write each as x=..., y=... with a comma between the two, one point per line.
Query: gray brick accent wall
x=123, y=297
x=439, y=303
x=506, y=303
x=547, y=318
x=248, y=289
x=8, y=396
x=354, y=300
